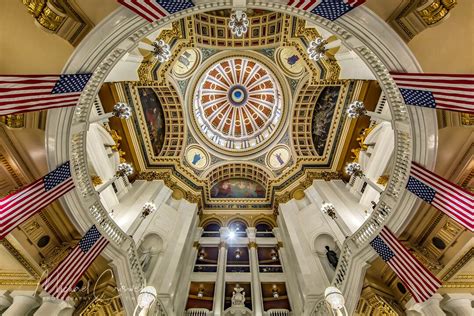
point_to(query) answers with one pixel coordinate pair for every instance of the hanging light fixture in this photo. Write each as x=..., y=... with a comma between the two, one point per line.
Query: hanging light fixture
x=148, y=208
x=275, y=291
x=202, y=254
x=146, y=297
x=316, y=49
x=161, y=51
x=124, y=169
x=122, y=111
x=329, y=209
x=356, y=109
x=274, y=255
x=239, y=23
x=335, y=300
x=200, y=293
x=237, y=253
x=355, y=169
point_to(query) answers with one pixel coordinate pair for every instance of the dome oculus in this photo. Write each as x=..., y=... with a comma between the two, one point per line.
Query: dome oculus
x=237, y=103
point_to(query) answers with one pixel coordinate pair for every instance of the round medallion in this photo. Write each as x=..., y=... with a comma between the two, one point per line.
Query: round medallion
x=290, y=61
x=186, y=63
x=197, y=157
x=238, y=103
x=279, y=157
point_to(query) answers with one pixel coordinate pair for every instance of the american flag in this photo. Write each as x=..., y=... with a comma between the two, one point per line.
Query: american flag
x=329, y=9
x=40, y=92
x=63, y=279
x=21, y=205
x=152, y=10
x=442, y=194
x=421, y=283
x=448, y=92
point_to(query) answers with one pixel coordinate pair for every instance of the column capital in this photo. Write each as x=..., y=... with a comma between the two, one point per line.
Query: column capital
x=196, y=245
x=223, y=244
x=252, y=244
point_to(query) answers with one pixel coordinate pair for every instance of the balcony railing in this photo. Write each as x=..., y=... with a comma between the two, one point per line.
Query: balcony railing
x=205, y=268
x=278, y=312
x=238, y=268
x=197, y=312
x=270, y=269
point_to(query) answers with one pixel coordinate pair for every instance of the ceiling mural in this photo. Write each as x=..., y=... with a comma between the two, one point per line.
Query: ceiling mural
x=249, y=127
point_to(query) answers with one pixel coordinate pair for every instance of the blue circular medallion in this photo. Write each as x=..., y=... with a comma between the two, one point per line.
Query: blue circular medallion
x=237, y=95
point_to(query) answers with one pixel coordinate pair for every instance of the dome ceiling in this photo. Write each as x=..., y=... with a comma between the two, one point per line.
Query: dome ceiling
x=241, y=123
x=237, y=103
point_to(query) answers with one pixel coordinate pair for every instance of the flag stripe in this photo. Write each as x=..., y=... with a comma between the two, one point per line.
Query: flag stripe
x=329, y=9
x=152, y=10
x=62, y=280
x=421, y=283
x=18, y=206
x=449, y=198
x=40, y=92
x=447, y=92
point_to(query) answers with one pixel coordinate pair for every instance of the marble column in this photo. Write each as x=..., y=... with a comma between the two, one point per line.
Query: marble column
x=458, y=303
x=431, y=307
x=52, y=306
x=22, y=305
x=5, y=301
x=219, y=290
x=255, y=272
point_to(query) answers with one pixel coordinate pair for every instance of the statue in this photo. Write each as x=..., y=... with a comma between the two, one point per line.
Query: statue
x=332, y=257
x=238, y=296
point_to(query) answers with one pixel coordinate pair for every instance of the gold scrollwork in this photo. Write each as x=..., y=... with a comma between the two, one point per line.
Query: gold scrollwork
x=436, y=11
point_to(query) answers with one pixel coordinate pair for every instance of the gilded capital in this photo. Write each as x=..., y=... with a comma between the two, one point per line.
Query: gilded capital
x=252, y=244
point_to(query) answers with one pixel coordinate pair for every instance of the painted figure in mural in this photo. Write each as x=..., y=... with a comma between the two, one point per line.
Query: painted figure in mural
x=292, y=60
x=238, y=296
x=332, y=257
x=197, y=157
x=278, y=157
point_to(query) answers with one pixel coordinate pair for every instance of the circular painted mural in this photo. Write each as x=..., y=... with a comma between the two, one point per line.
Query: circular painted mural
x=196, y=157
x=279, y=157
x=237, y=103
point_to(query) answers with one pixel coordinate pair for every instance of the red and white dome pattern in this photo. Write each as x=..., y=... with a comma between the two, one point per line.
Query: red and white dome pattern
x=238, y=103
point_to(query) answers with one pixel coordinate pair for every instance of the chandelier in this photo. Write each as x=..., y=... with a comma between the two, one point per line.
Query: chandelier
x=238, y=23
x=355, y=169
x=237, y=254
x=147, y=209
x=316, y=49
x=200, y=293
x=161, y=51
x=124, y=169
x=275, y=291
x=122, y=111
x=329, y=209
x=274, y=255
x=356, y=109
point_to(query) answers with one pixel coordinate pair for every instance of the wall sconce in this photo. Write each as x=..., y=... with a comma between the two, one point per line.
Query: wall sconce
x=148, y=208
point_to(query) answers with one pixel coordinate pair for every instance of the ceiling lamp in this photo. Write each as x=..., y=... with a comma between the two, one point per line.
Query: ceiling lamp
x=148, y=208
x=275, y=291
x=355, y=169
x=356, y=109
x=146, y=297
x=200, y=293
x=122, y=111
x=237, y=254
x=124, y=169
x=161, y=51
x=202, y=254
x=238, y=23
x=335, y=300
x=274, y=255
x=329, y=209
x=317, y=49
